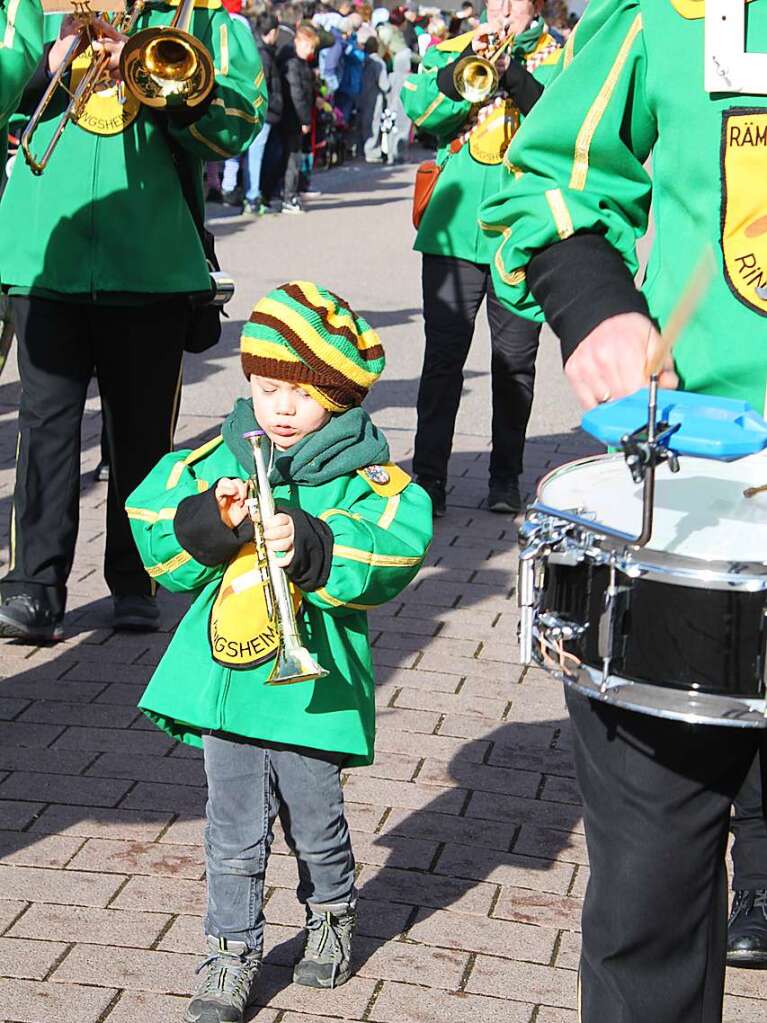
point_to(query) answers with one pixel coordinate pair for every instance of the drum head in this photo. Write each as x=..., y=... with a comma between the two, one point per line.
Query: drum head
x=700, y=512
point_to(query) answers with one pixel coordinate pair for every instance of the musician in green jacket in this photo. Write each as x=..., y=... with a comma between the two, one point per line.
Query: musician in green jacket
x=101, y=256
x=685, y=83
x=21, y=46
x=352, y=530
x=472, y=138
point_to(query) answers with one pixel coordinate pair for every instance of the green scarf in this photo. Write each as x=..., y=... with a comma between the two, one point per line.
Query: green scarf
x=526, y=41
x=347, y=442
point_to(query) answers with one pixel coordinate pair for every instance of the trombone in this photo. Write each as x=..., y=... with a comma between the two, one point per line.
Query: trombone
x=476, y=77
x=95, y=77
x=163, y=66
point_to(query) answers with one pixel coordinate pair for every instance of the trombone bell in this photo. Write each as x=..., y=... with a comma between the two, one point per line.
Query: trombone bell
x=166, y=66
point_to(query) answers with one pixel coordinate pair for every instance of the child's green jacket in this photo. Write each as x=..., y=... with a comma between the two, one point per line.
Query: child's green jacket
x=381, y=529
x=630, y=86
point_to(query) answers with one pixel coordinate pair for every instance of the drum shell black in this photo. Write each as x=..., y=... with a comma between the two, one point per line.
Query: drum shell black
x=679, y=637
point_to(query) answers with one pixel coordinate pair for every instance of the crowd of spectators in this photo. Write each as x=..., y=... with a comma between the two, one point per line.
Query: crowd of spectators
x=334, y=70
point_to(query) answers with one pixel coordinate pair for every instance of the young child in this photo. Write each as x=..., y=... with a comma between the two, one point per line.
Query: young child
x=352, y=531
x=298, y=93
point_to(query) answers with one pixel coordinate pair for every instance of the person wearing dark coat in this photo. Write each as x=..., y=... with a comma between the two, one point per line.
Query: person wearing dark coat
x=298, y=94
x=266, y=29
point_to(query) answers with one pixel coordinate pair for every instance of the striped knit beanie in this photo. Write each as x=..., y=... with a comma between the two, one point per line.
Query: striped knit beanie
x=305, y=334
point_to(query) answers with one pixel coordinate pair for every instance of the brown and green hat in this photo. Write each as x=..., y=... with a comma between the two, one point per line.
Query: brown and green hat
x=305, y=334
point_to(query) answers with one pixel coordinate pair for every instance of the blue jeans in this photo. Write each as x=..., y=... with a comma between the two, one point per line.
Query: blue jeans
x=255, y=158
x=249, y=784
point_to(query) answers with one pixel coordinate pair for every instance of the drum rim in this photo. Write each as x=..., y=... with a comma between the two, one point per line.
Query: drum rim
x=588, y=682
x=648, y=562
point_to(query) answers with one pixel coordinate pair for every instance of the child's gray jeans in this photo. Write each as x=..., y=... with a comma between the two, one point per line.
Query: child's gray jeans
x=249, y=784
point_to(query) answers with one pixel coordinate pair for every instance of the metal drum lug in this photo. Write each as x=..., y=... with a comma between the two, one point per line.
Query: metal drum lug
x=556, y=629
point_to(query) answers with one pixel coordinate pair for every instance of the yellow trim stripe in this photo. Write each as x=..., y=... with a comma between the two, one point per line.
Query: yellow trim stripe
x=234, y=112
x=598, y=108
x=223, y=41
x=324, y=516
x=195, y=132
x=258, y=81
x=335, y=602
x=390, y=512
x=193, y=456
x=569, y=50
x=202, y=486
x=378, y=560
x=10, y=25
x=410, y=86
x=511, y=277
x=429, y=110
x=328, y=353
x=145, y=515
x=560, y=213
x=169, y=566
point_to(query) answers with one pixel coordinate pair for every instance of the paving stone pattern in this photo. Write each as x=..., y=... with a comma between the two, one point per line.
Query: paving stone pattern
x=467, y=831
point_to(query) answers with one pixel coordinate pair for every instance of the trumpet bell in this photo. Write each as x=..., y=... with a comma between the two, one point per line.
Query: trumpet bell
x=166, y=66
x=475, y=79
x=295, y=664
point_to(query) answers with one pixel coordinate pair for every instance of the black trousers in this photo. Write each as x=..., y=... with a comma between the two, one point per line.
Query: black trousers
x=453, y=290
x=749, y=827
x=136, y=354
x=657, y=797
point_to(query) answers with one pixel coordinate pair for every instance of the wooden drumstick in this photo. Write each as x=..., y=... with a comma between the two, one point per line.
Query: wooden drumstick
x=753, y=491
x=691, y=298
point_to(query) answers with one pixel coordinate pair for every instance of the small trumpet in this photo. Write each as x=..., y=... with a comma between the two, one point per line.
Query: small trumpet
x=95, y=77
x=294, y=663
x=476, y=78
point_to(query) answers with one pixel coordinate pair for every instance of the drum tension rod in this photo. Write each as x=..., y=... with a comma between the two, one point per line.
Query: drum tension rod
x=644, y=450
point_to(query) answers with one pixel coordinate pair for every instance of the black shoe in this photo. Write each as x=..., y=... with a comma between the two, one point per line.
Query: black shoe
x=504, y=497
x=136, y=613
x=747, y=929
x=232, y=198
x=26, y=618
x=436, y=491
x=101, y=473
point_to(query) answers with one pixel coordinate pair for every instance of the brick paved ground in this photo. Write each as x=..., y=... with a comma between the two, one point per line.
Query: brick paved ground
x=467, y=831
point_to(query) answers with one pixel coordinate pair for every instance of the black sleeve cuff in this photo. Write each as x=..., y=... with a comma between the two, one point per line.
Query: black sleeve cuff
x=201, y=532
x=182, y=116
x=522, y=87
x=445, y=82
x=579, y=283
x=37, y=84
x=313, y=550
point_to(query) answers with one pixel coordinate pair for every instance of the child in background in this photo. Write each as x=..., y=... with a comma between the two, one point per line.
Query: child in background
x=298, y=97
x=352, y=530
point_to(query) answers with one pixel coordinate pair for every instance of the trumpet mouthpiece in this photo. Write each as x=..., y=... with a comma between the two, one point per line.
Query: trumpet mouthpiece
x=254, y=434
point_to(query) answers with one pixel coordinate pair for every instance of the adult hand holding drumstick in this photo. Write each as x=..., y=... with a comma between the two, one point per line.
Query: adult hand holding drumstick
x=620, y=355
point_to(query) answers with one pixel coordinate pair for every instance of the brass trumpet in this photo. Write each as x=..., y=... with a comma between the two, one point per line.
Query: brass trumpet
x=166, y=66
x=476, y=78
x=294, y=663
x=95, y=77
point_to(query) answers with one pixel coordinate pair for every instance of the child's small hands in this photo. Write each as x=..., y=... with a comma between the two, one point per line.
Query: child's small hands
x=231, y=497
x=280, y=535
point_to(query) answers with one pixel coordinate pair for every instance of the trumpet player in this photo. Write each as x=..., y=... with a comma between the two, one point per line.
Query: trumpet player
x=21, y=34
x=351, y=530
x=473, y=117
x=102, y=258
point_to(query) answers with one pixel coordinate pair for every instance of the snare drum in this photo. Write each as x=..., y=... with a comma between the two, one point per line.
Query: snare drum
x=675, y=629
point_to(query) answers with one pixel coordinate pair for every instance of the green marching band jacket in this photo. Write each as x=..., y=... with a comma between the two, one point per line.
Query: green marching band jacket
x=449, y=225
x=631, y=84
x=21, y=46
x=381, y=529
x=108, y=215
